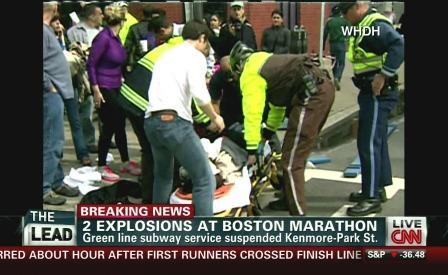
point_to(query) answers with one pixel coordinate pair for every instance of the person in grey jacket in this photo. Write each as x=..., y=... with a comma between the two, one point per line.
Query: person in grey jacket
x=276, y=39
x=57, y=85
x=85, y=31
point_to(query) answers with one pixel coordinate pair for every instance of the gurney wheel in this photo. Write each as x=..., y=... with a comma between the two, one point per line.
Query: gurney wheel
x=253, y=210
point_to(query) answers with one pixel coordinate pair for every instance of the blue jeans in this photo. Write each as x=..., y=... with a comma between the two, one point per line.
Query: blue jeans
x=86, y=117
x=71, y=105
x=53, y=139
x=338, y=51
x=176, y=138
x=372, y=145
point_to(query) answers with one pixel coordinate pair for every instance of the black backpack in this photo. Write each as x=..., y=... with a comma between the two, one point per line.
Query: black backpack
x=116, y=193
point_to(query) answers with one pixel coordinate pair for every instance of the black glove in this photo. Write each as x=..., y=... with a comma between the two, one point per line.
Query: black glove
x=267, y=134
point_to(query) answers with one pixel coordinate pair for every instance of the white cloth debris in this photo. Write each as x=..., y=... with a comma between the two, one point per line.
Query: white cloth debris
x=83, y=178
x=212, y=149
x=238, y=195
x=109, y=158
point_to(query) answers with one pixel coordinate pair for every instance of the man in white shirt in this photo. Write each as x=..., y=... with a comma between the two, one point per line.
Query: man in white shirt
x=179, y=76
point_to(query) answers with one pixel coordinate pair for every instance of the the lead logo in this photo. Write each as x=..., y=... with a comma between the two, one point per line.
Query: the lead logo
x=406, y=231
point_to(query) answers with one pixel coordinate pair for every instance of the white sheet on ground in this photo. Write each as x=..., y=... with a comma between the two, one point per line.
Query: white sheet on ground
x=83, y=178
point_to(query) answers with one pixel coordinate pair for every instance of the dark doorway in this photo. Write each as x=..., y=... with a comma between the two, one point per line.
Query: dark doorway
x=220, y=8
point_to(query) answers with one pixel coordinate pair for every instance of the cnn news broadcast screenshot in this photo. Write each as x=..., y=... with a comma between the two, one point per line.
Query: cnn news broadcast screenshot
x=190, y=131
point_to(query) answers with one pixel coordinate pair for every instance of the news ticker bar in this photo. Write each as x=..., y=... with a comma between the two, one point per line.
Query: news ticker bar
x=378, y=254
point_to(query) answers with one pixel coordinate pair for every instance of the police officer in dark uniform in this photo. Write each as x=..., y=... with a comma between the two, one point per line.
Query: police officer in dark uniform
x=376, y=59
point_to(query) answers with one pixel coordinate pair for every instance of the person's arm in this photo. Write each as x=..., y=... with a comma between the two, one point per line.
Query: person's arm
x=130, y=46
x=388, y=41
x=99, y=47
x=284, y=49
x=215, y=89
x=198, y=89
x=217, y=124
x=253, y=89
x=264, y=47
x=70, y=36
x=275, y=118
x=47, y=84
x=226, y=41
x=253, y=38
x=215, y=104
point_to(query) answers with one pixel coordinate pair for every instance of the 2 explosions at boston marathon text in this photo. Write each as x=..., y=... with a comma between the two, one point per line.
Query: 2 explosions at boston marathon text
x=232, y=232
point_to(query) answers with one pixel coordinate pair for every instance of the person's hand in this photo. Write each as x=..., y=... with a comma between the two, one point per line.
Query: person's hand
x=212, y=127
x=232, y=30
x=218, y=122
x=251, y=159
x=98, y=96
x=99, y=99
x=378, y=84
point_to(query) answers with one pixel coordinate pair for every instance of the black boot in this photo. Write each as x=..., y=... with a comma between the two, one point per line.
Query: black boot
x=358, y=196
x=365, y=207
x=279, y=205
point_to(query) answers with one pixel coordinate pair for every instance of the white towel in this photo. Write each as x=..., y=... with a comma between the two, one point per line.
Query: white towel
x=83, y=178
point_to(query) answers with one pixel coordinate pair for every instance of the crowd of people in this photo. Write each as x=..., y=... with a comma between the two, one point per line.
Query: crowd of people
x=177, y=83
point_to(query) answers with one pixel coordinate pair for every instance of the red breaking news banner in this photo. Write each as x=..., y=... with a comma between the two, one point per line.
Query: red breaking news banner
x=355, y=254
x=121, y=211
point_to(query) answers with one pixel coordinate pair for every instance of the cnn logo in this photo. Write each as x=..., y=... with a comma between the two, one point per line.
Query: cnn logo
x=406, y=231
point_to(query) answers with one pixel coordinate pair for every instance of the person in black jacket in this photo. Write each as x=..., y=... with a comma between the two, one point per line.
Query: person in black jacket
x=277, y=38
x=237, y=28
x=142, y=38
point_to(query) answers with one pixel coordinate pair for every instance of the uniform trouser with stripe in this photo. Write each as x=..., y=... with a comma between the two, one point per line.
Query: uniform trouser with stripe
x=372, y=140
x=304, y=125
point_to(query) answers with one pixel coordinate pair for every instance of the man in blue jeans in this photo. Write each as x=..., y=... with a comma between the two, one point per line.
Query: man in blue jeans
x=57, y=83
x=168, y=118
x=82, y=153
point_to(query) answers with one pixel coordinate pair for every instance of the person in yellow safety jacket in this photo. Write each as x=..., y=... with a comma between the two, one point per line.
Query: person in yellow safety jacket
x=130, y=20
x=376, y=59
x=285, y=80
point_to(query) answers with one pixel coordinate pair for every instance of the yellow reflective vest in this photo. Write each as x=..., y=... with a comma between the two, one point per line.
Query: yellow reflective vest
x=362, y=60
x=130, y=20
x=253, y=88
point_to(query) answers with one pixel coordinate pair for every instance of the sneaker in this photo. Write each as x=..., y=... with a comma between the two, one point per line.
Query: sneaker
x=279, y=205
x=131, y=167
x=107, y=175
x=66, y=190
x=53, y=199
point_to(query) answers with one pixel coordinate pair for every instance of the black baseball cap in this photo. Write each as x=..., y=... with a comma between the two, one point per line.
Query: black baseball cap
x=345, y=6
